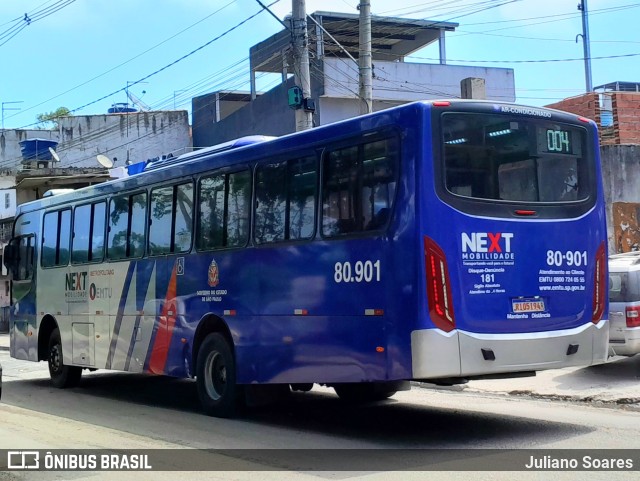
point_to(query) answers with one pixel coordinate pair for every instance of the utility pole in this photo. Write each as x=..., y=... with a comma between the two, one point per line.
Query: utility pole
x=304, y=116
x=364, y=58
x=586, y=39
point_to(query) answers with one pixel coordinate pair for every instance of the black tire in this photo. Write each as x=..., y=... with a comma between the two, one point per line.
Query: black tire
x=365, y=392
x=62, y=376
x=216, y=377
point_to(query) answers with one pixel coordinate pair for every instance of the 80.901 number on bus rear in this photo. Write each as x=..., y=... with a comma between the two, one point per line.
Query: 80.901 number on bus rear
x=572, y=258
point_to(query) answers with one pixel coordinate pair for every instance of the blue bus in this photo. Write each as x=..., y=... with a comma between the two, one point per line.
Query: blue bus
x=437, y=241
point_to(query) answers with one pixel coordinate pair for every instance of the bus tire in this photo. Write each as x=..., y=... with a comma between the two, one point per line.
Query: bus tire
x=362, y=392
x=62, y=376
x=216, y=377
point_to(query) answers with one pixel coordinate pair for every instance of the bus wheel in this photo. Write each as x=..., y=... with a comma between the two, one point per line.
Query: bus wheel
x=61, y=375
x=216, y=377
x=362, y=392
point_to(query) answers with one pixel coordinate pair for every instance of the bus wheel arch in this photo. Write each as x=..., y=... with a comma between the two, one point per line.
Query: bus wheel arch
x=62, y=375
x=208, y=325
x=47, y=325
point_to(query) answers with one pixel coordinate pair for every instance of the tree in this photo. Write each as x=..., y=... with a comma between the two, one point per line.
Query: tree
x=51, y=118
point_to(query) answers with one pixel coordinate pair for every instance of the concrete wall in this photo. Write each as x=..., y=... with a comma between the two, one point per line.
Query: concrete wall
x=395, y=83
x=407, y=82
x=131, y=137
x=621, y=178
x=134, y=136
x=333, y=110
x=269, y=114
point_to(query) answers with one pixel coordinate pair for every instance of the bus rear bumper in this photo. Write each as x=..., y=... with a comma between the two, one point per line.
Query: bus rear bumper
x=439, y=354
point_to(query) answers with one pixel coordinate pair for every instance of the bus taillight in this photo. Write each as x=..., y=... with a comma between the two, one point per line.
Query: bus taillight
x=438, y=286
x=599, y=284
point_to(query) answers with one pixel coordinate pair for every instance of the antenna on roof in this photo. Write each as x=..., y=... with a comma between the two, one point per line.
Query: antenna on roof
x=104, y=161
x=136, y=100
x=54, y=154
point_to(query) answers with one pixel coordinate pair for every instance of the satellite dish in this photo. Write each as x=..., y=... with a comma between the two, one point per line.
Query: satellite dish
x=104, y=161
x=54, y=154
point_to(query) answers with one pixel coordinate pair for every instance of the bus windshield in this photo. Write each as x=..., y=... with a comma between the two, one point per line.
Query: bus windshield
x=508, y=158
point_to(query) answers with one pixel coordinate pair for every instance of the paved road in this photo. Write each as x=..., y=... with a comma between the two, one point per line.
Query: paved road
x=616, y=382
x=116, y=410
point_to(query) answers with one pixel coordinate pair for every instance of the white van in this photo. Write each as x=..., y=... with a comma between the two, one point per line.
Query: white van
x=624, y=303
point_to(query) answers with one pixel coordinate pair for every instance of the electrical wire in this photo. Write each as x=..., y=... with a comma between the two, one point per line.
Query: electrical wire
x=22, y=111
x=23, y=22
x=351, y=91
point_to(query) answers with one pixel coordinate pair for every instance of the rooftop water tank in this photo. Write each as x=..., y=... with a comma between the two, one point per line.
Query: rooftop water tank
x=37, y=149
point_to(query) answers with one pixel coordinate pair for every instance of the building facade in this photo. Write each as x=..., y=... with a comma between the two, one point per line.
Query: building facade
x=333, y=44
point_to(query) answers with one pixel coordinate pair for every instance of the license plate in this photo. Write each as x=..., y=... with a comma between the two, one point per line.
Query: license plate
x=528, y=305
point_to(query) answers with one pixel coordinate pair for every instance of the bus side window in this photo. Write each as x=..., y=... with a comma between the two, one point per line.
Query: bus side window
x=286, y=200
x=127, y=226
x=81, y=233
x=161, y=219
x=223, y=211
x=97, y=232
x=56, y=238
x=170, y=229
x=118, y=227
x=88, y=233
x=359, y=187
x=138, y=221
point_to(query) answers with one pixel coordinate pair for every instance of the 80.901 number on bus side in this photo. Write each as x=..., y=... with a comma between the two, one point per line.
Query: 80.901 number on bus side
x=367, y=271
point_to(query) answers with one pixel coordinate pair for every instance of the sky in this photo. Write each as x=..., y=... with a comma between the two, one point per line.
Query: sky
x=83, y=54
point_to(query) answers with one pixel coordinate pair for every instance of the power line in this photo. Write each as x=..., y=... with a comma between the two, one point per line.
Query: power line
x=127, y=61
x=23, y=22
x=192, y=52
x=603, y=57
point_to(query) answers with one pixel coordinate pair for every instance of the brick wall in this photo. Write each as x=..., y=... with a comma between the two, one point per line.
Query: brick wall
x=626, y=115
x=587, y=105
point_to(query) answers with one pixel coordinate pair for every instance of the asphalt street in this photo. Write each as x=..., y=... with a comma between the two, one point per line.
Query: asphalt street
x=616, y=382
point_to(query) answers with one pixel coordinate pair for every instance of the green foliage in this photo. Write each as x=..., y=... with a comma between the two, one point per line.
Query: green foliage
x=50, y=119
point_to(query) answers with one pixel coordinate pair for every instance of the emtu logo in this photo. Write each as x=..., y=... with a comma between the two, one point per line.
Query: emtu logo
x=487, y=242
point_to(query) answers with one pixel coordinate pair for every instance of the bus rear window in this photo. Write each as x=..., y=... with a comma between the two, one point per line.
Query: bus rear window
x=500, y=157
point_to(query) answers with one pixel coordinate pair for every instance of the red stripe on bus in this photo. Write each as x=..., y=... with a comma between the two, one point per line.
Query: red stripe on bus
x=166, y=323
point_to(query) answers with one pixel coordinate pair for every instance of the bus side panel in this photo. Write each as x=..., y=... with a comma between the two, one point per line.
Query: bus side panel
x=339, y=310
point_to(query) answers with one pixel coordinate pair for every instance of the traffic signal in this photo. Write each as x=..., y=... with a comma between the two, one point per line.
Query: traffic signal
x=295, y=98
